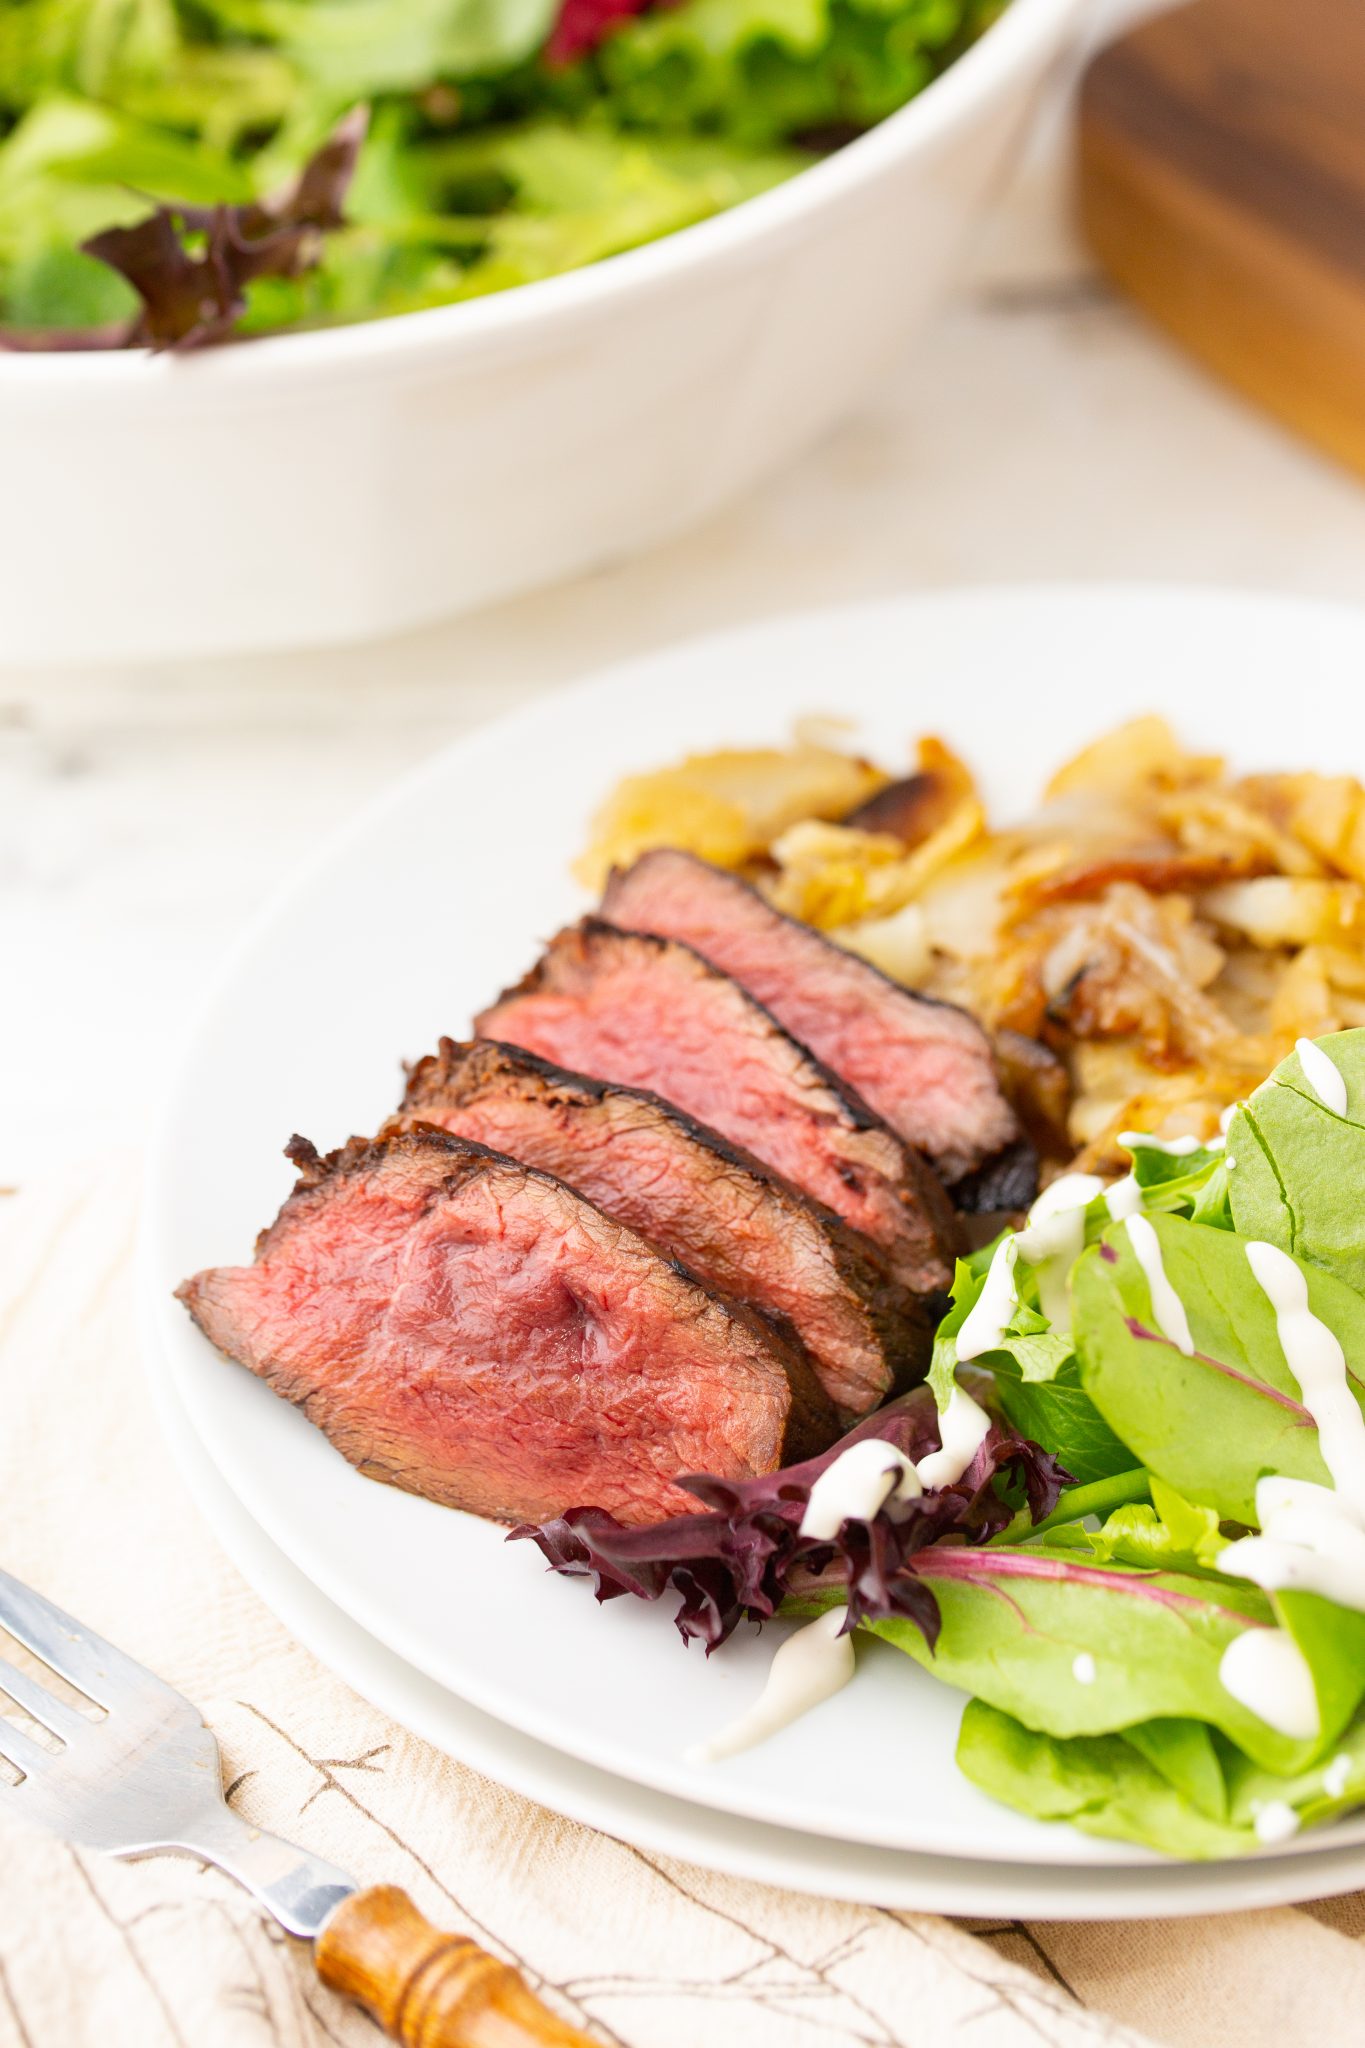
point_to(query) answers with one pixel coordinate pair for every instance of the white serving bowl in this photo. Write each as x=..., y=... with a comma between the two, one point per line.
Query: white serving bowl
x=338, y=485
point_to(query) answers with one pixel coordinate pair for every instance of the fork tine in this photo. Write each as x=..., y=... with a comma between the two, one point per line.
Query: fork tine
x=75, y=1652
x=38, y=1703
x=23, y=1752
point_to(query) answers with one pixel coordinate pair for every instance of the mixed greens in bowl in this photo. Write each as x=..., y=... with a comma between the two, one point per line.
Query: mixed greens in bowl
x=175, y=170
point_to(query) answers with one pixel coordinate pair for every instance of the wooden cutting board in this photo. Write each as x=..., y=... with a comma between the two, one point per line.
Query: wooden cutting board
x=1222, y=185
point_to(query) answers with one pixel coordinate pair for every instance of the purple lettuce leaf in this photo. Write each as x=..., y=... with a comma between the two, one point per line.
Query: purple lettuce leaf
x=190, y=265
x=746, y=1553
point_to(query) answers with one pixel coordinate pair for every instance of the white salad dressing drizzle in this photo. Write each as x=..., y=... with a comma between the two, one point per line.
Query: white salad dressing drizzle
x=1323, y=1075
x=1056, y=1222
x=1167, y=1307
x=860, y=1480
x=962, y=1430
x=1225, y=1120
x=809, y=1667
x=1054, y=1238
x=1083, y=1668
x=1336, y=1777
x=990, y=1315
x=1318, y=1363
x=1277, y=1497
x=1266, y=1672
x=1275, y=1822
x=1310, y=1542
x=1124, y=1199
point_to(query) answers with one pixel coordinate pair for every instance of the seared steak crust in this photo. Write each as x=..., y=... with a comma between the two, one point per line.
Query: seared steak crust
x=476, y=1332
x=925, y=1067
x=649, y=1012
x=731, y=1221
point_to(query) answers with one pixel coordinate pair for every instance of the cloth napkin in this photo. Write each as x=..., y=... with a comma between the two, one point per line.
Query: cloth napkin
x=640, y=1950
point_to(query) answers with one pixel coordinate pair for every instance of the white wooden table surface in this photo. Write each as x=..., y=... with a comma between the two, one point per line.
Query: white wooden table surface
x=1040, y=430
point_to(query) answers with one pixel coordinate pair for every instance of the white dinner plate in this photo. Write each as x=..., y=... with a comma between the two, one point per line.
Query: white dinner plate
x=435, y=898
x=651, y=1821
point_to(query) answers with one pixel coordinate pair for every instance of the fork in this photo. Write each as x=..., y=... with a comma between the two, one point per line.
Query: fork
x=147, y=1779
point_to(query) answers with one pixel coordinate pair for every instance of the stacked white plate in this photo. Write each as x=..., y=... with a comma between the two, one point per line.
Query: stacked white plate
x=401, y=930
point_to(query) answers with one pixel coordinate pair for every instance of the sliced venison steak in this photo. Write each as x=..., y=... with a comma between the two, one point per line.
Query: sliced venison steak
x=925, y=1067
x=731, y=1221
x=650, y=1013
x=474, y=1331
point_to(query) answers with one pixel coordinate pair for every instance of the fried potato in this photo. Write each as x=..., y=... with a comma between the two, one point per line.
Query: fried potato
x=1286, y=910
x=1327, y=814
x=1217, y=823
x=920, y=804
x=1159, y=932
x=727, y=806
x=832, y=875
x=898, y=944
x=1143, y=753
x=1302, y=1001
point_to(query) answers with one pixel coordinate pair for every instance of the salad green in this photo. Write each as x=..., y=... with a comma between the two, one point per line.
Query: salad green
x=508, y=140
x=1202, y=1372
x=1298, y=1161
x=1125, y=1513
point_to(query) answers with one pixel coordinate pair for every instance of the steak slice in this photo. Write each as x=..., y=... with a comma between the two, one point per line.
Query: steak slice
x=650, y=1013
x=473, y=1331
x=734, y=1224
x=925, y=1067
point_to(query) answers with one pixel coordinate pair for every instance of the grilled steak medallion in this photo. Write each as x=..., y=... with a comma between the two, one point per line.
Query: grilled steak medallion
x=734, y=1224
x=650, y=1013
x=924, y=1067
x=474, y=1331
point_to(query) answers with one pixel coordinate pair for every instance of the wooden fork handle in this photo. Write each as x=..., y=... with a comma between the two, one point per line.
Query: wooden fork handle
x=428, y=1989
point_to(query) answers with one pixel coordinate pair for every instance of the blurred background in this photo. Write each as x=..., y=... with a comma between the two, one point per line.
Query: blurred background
x=1042, y=426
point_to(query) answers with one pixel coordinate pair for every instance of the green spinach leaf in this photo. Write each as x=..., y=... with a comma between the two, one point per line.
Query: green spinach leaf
x=1073, y=1647
x=1299, y=1167
x=1212, y=1424
x=1181, y=1791
x=1103, y=1784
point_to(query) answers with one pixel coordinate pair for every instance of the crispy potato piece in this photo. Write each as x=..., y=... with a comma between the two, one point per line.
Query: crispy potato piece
x=1158, y=869
x=909, y=810
x=963, y=826
x=898, y=944
x=948, y=768
x=660, y=810
x=964, y=902
x=1216, y=821
x=921, y=803
x=1345, y=970
x=774, y=787
x=832, y=875
x=1134, y=965
x=1302, y=1004
x=726, y=806
x=1287, y=910
x=1327, y=813
x=1143, y=753
x=1117, y=1089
